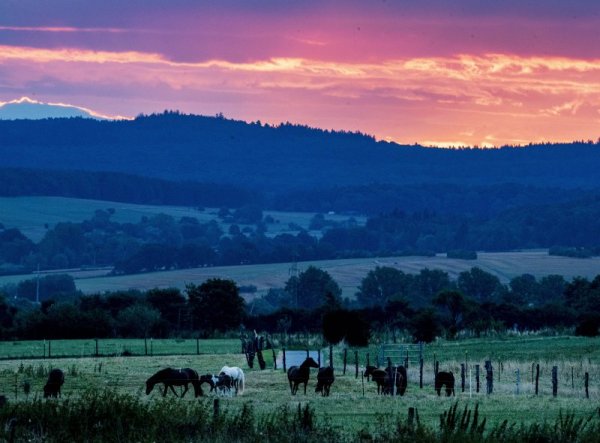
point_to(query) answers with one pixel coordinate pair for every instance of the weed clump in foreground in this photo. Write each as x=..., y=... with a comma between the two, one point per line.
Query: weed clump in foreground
x=105, y=416
x=100, y=416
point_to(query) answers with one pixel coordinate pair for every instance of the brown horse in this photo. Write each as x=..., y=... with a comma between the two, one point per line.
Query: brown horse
x=170, y=377
x=300, y=374
x=444, y=379
x=325, y=378
x=56, y=378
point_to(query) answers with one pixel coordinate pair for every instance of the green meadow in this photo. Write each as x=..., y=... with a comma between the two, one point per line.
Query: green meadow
x=353, y=404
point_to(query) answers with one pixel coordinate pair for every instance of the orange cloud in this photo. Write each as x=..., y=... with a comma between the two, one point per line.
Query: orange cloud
x=486, y=100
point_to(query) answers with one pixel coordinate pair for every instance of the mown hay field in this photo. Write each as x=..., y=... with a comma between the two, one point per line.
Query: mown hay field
x=348, y=273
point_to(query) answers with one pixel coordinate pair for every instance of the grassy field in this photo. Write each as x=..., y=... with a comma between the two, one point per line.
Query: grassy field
x=348, y=408
x=31, y=214
x=348, y=273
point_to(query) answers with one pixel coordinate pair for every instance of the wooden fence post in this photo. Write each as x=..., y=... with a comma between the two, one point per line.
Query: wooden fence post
x=96, y=347
x=145, y=346
x=586, y=382
x=307, y=353
x=151, y=347
x=411, y=416
x=284, y=365
x=49, y=348
x=355, y=364
x=477, y=378
x=406, y=359
x=319, y=357
x=518, y=379
x=537, y=378
x=489, y=376
x=197, y=346
x=421, y=373
x=330, y=356
x=554, y=381
x=572, y=379
x=274, y=359
x=436, y=368
x=462, y=377
x=216, y=408
x=345, y=360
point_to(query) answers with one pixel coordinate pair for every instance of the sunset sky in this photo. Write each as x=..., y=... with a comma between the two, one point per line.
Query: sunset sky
x=455, y=72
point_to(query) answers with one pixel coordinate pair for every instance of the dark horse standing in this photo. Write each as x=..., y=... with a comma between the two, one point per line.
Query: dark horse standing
x=389, y=378
x=300, y=374
x=325, y=379
x=56, y=378
x=170, y=377
x=444, y=379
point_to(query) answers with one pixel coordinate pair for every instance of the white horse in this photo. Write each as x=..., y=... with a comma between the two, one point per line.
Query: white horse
x=237, y=375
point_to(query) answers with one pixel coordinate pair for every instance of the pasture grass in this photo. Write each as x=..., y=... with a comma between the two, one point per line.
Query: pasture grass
x=31, y=214
x=347, y=411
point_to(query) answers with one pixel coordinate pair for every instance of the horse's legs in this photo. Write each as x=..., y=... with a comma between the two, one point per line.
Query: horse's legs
x=173, y=389
x=305, y=383
x=184, y=390
x=165, y=390
x=291, y=387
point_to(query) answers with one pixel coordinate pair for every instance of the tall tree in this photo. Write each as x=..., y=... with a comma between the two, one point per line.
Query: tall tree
x=308, y=289
x=478, y=284
x=215, y=305
x=381, y=285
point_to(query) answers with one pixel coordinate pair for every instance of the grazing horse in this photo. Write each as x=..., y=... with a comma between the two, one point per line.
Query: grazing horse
x=379, y=376
x=300, y=374
x=325, y=379
x=224, y=385
x=56, y=378
x=170, y=377
x=208, y=378
x=237, y=376
x=444, y=379
x=397, y=378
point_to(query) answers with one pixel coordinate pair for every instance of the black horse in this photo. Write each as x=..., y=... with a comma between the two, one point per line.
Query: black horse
x=56, y=378
x=397, y=380
x=325, y=379
x=444, y=379
x=300, y=374
x=208, y=378
x=170, y=377
x=379, y=376
x=224, y=385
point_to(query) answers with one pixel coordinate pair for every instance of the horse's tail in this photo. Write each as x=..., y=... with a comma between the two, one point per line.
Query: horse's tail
x=241, y=382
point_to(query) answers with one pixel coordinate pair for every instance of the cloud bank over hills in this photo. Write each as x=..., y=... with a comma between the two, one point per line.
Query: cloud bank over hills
x=26, y=108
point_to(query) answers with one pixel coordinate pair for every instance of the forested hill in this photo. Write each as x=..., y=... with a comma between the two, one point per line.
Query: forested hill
x=287, y=157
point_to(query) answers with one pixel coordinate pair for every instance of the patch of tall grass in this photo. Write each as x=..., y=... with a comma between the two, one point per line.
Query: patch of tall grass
x=106, y=416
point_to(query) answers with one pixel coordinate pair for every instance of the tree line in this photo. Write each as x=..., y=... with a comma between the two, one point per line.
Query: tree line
x=161, y=242
x=389, y=302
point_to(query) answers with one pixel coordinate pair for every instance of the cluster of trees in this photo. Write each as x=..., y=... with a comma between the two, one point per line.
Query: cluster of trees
x=162, y=242
x=215, y=305
x=427, y=305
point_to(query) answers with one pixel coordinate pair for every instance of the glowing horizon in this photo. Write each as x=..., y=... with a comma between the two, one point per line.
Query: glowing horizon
x=437, y=75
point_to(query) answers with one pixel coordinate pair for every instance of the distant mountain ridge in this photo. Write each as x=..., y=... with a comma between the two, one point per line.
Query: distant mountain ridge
x=29, y=109
x=287, y=157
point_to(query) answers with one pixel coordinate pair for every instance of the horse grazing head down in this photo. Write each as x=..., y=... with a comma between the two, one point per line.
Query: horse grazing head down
x=325, y=379
x=56, y=378
x=444, y=379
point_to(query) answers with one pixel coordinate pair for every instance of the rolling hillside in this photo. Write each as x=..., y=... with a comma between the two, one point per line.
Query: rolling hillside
x=262, y=157
x=348, y=273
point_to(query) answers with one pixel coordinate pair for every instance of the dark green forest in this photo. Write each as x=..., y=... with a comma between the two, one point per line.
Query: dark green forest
x=162, y=242
x=388, y=302
x=261, y=157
